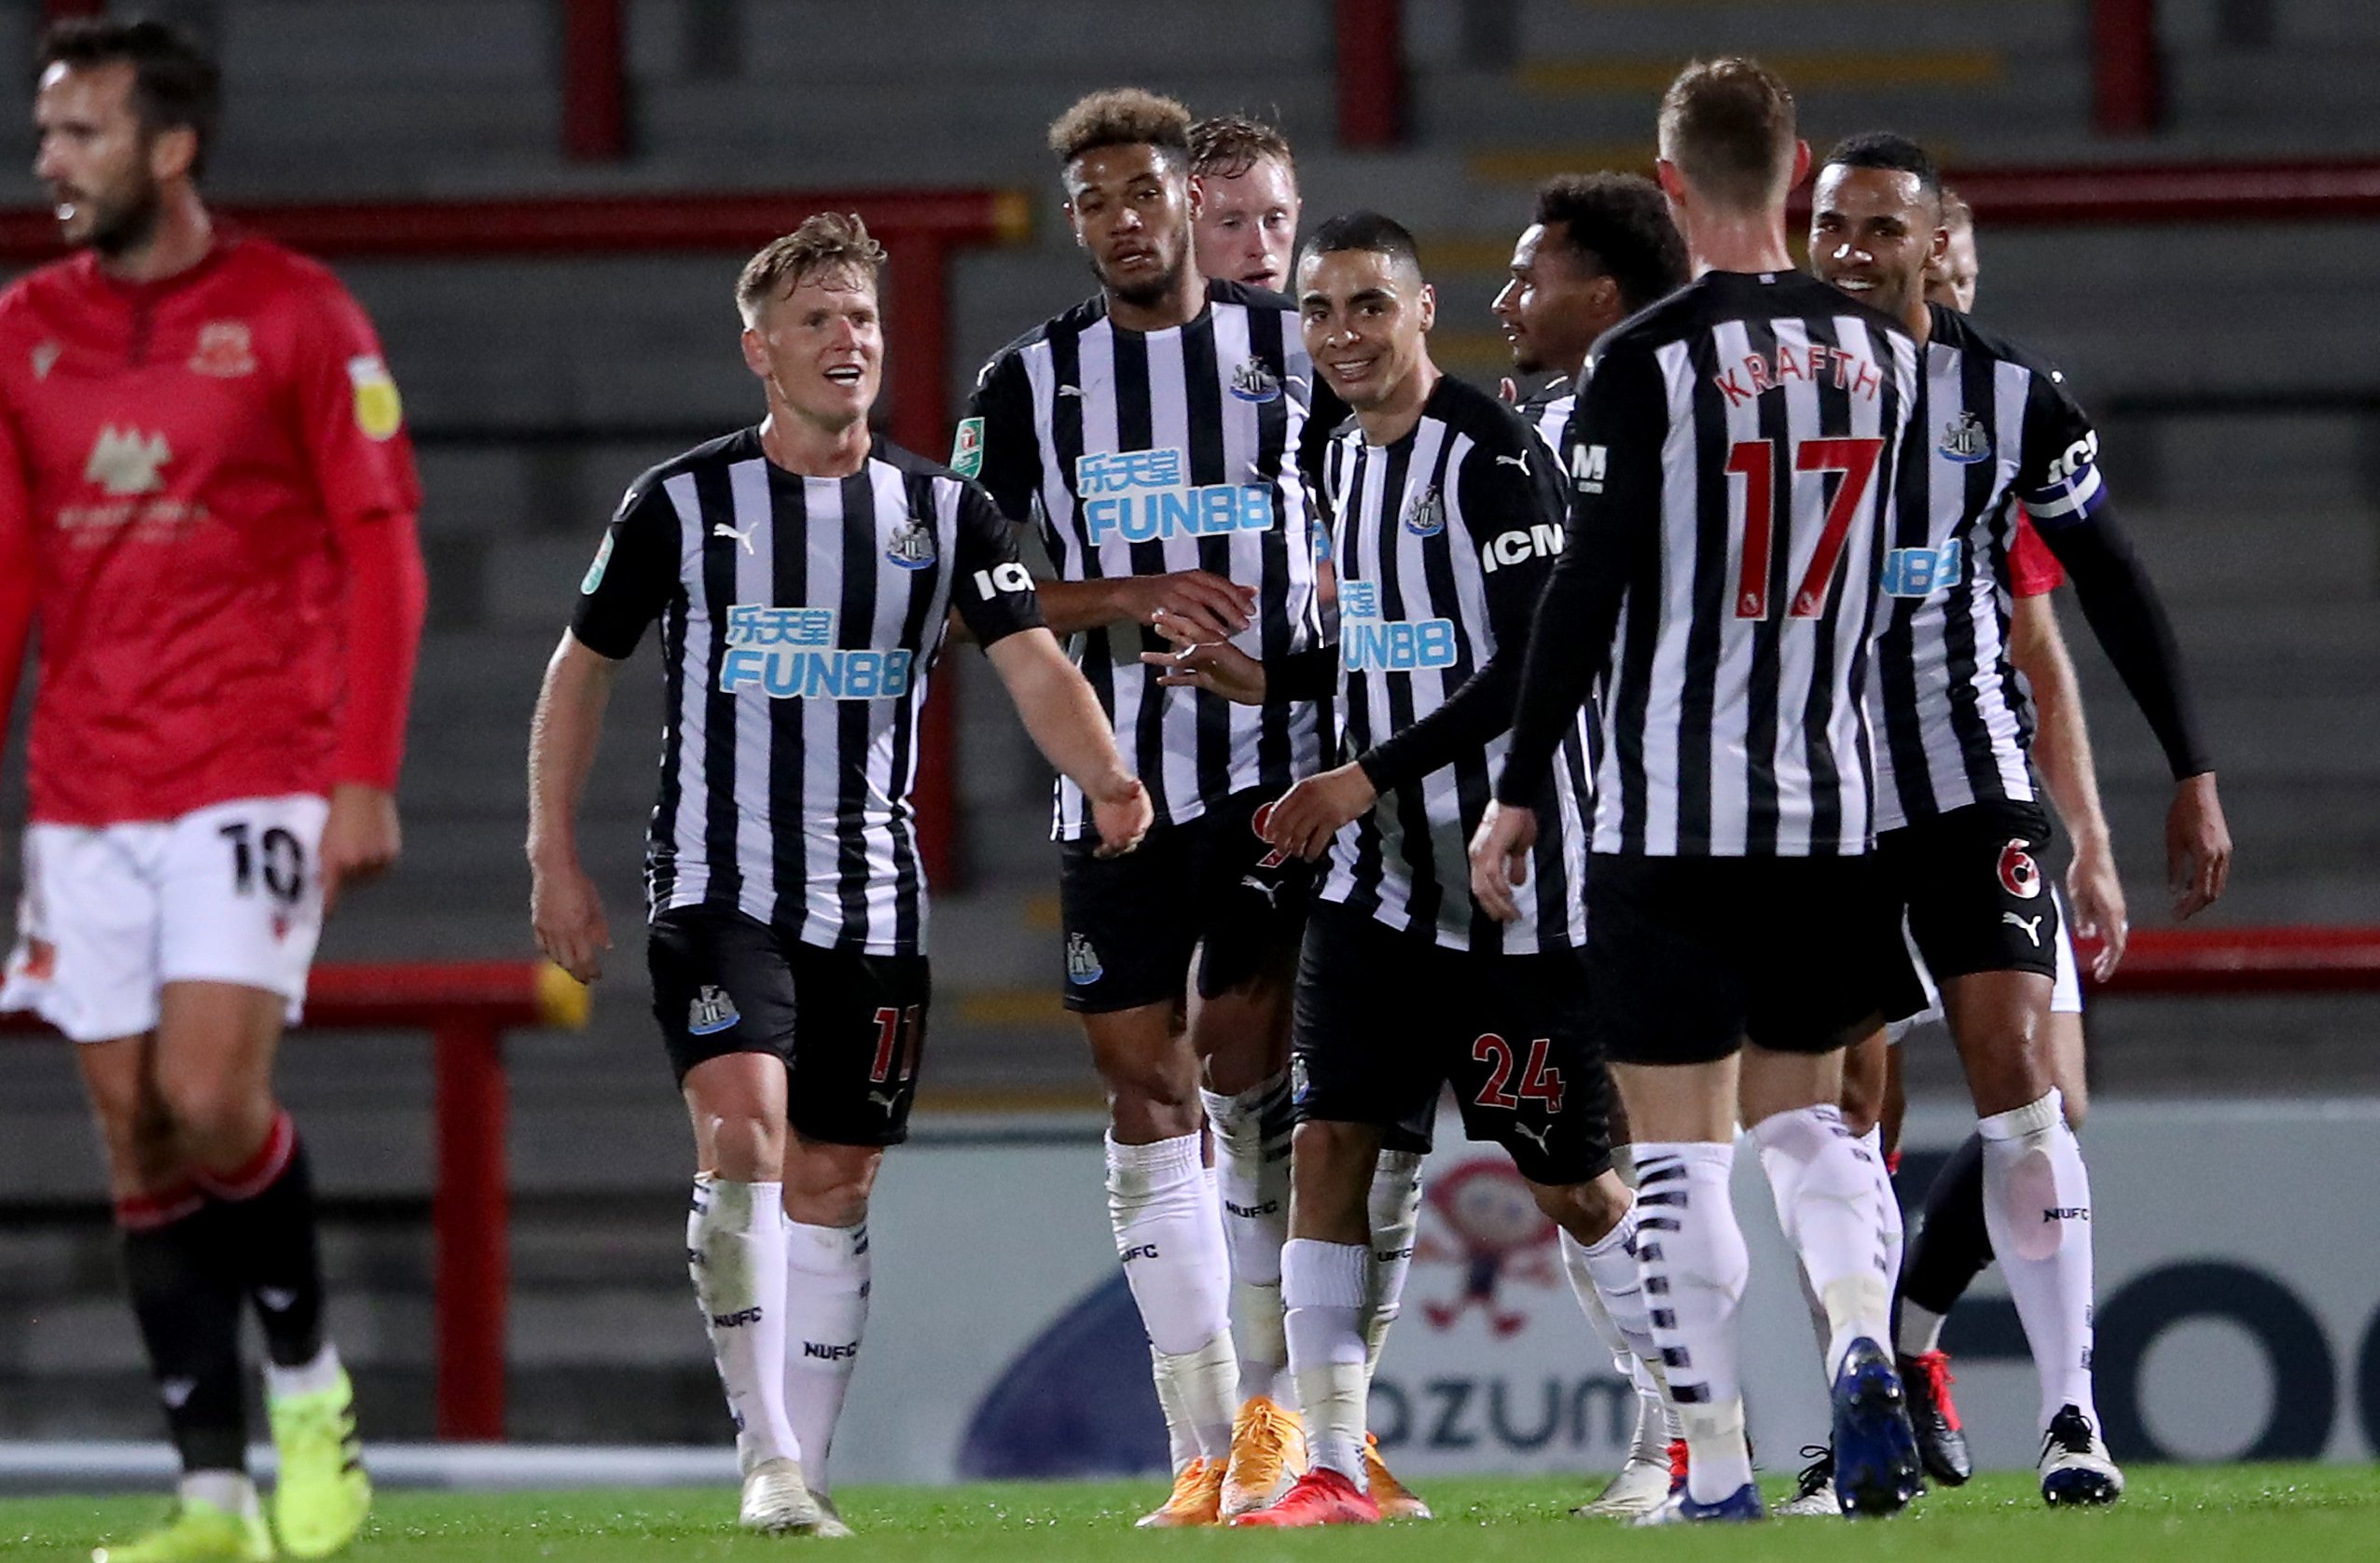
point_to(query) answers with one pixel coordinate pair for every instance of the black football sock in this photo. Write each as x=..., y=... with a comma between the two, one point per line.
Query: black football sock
x=186, y=1300
x=1948, y=1252
x=266, y=1210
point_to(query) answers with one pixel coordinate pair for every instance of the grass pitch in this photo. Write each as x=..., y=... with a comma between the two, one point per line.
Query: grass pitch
x=2301, y=1514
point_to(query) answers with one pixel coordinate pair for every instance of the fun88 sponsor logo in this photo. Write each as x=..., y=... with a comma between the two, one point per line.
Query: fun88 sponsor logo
x=1408, y=645
x=789, y=654
x=1923, y=571
x=1140, y=497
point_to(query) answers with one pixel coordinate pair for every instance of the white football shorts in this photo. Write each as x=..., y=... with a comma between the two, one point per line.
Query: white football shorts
x=228, y=893
x=2066, y=997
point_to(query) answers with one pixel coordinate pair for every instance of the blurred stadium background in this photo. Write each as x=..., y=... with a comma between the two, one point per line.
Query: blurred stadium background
x=543, y=204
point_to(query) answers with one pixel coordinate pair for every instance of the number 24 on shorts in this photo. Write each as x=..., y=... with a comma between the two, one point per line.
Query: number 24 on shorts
x=1537, y=1081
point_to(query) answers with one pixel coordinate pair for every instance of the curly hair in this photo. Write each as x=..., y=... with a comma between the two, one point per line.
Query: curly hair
x=830, y=241
x=1620, y=222
x=1121, y=117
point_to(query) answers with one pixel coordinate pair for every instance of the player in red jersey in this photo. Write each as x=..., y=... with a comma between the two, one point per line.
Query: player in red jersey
x=207, y=506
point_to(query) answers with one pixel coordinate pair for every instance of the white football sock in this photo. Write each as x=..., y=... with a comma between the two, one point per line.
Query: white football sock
x=2037, y=1208
x=1251, y=1164
x=1324, y=1285
x=233, y=1492
x=1604, y=1279
x=1689, y=1254
x=306, y=1379
x=1396, y=1216
x=1828, y=1200
x=1895, y=1230
x=1180, y=1440
x=1169, y=1233
x=1920, y=1330
x=826, y=1290
x=735, y=1239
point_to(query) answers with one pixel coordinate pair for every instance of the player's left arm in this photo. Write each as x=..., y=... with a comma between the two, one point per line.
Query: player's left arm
x=993, y=595
x=1508, y=502
x=2060, y=480
x=1614, y=444
x=353, y=429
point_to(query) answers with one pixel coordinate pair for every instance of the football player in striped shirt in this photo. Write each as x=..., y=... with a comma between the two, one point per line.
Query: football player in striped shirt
x=1961, y=826
x=1447, y=516
x=1246, y=232
x=1732, y=459
x=1152, y=433
x=1598, y=248
x=1951, y=1247
x=803, y=573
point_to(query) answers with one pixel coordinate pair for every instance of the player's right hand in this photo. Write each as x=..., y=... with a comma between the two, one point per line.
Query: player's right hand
x=2096, y=895
x=1122, y=814
x=1195, y=604
x=567, y=913
x=1500, y=851
x=1218, y=667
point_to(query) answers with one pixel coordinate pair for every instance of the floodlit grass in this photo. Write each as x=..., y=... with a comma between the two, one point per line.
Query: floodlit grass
x=2292, y=1514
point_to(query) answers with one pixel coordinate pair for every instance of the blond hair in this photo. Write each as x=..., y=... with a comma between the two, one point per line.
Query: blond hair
x=830, y=241
x=1727, y=125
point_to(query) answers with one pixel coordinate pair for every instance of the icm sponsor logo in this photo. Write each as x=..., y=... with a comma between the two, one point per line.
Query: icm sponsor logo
x=1002, y=578
x=789, y=654
x=1144, y=496
x=1542, y=540
x=2076, y=458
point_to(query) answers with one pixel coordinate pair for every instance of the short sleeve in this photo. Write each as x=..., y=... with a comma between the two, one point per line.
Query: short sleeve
x=634, y=575
x=2033, y=571
x=994, y=591
x=997, y=445
x=351, y=417
x=2057, y=472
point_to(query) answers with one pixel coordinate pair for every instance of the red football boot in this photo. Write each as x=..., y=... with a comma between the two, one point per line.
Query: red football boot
x=1321, y=1497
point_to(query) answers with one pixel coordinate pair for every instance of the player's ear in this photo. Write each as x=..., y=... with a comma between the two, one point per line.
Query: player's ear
x=1429, y=306
x=1073, y=220
x=172, y=153
x=1673, y=183
x=1801, y=165
x=1938, y=253
x=755, y=351
x=1197, y=196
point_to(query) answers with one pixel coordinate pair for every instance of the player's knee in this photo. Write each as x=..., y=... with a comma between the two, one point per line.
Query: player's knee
x=1331, y=1168
x=1152, y=1084
x=216, y=1116
x=746, y=1146
x=1588, y=1211
x=828, y=1185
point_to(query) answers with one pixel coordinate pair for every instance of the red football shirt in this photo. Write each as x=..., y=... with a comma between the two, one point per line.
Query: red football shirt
x=192, y=470
x=2033, y=571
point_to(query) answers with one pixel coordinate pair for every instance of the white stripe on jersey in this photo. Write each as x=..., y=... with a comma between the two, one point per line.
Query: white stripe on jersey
x=693, y=875
x=755, y=555
x=1957, y=731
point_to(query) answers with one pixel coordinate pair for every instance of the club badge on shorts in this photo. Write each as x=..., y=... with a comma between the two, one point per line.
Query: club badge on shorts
x=2018, y=874
x=709, y=1012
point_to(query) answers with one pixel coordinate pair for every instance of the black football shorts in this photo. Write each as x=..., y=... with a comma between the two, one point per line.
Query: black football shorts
x=850, y=1027
x=1386, y=1020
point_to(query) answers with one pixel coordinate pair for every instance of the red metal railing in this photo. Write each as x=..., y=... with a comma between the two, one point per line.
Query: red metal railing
x=2175, y=961
x=466, y=1007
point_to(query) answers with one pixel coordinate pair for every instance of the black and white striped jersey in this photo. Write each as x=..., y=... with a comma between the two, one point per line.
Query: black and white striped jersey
x=1548, y=410
x=1149, y=452
x=1992, y=427
x=1443, y=540
x=1731, y=462
x=798, y=618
